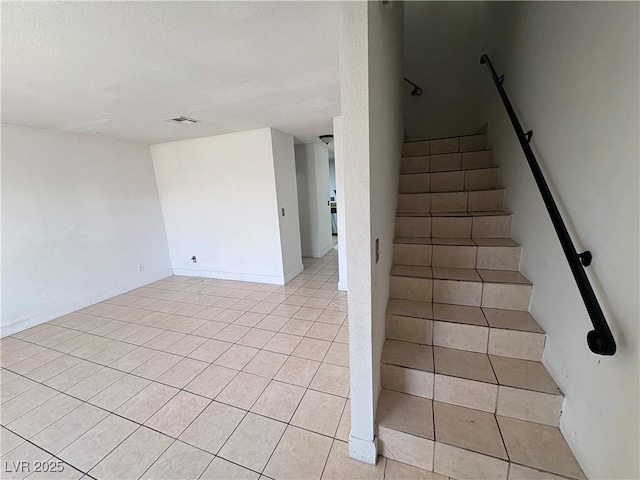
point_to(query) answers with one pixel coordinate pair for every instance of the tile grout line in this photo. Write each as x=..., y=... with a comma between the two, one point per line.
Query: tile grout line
x=210, y=400
x=44, y=450
x=322, y=361
x=167, y=435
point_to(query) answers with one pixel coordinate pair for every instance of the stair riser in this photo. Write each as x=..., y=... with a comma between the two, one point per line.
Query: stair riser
x=413, y=227
x=506, y=296
x=488, y=227
x=407, y=288
x=511, y=402
x=465, y=393
x=406, y=448
x=451, y=202
x=456, y=292
x=421, y=310
x=498, y=226
x=457, y=256
x=467, y=143
x=409, y=329
x=413, y=149
x=412, y=254
x=407, y=380
x=448, y=162
x=472, y=338
x=531, y=406
x=484, y=179
x=516, y=344
x=498, y=258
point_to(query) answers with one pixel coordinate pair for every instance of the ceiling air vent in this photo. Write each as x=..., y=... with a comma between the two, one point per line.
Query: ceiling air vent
x=183, y=120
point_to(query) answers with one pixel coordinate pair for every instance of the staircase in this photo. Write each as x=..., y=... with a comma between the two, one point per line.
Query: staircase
x=464, y=392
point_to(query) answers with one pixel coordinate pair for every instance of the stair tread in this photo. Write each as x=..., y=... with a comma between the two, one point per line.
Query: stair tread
x=410, y=308
x=490, y=167
x=489, y=213
x=511, y=320
x=461, y=274
x=537, y=446
x=443, y=138
x=412, y=271
x=480, y=367
x=482, y=316
x=406, y=413
x=469, y=429
x=412, y=355
x=479, y=242
x=453, y=191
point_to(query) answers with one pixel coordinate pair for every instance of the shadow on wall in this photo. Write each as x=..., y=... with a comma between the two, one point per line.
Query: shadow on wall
x=440, y=53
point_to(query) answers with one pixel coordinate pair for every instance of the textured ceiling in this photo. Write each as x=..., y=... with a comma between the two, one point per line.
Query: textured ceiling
x=119, y=69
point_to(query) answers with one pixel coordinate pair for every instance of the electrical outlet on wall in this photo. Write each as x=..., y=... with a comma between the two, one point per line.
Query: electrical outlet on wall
x=141, y=266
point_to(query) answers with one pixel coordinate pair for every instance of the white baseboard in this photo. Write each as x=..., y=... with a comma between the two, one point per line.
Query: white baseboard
x=69, y=307
x=326, y=249
x=363, y=450
x=293, y=274
x=342, y=285
x=317, y=253
x=242, y=277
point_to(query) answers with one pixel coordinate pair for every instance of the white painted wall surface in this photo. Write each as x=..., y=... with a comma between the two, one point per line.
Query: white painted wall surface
x=441, y=54
x=385, y=150
x=338, y=149
x=571, y=70
x=370, y=57
x=354, y=93
x=80, y=214
x=284, y=164
x=218, y=197
x=312, y=177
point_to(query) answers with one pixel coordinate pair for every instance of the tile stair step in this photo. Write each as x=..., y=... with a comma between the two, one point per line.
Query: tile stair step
x=461, y=286
x=497, y=254
x=508, y=333
x=464, y=143
x=474, y=225
x=464, y=443
x=511, y=387
x=516, y=320
x=452, y=181
x=490, y=200
x=462, y=274
x=464, y=392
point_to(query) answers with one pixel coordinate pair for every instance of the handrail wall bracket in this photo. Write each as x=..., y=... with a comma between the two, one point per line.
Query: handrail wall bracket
x=417, y=91
x=600, y=340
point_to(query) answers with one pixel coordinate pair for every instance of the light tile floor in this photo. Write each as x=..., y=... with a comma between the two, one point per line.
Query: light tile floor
x=188, y=378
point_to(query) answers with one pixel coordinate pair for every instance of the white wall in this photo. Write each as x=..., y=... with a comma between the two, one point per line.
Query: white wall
x=441, y=54
x=80, y=214
x=287, y=198
x=354, y=93
x=385, y=150
x=219, y=203
x=370, y=82
x=312, y=177
x=571, y=70
x=338, y=148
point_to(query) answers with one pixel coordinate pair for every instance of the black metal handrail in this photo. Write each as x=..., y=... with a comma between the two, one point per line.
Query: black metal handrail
x=600, y=339
x=417, y=91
